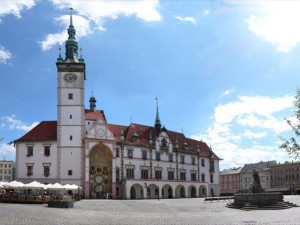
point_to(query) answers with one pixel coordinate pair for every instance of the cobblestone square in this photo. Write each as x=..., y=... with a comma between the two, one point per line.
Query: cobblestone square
x=164, y=211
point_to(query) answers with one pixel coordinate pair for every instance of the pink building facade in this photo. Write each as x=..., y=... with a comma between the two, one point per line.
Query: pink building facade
x=230, y=181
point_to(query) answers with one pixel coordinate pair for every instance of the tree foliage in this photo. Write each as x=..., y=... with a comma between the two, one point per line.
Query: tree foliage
x=291, y=145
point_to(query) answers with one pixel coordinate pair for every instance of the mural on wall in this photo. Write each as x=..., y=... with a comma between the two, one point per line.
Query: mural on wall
x=100, y=170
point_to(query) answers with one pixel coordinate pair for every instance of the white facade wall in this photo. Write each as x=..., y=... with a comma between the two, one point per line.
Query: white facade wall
x=71, y=160
x=38, y=159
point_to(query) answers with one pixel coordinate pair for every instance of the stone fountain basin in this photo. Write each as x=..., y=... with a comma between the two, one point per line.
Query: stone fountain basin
x=258, y=199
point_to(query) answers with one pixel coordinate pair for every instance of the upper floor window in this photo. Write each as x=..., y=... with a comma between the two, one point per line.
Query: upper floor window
x=163, y=142
x=70, y=172
x=170, y=158
x=117, y=152
x=46, y=150
x=202, y=162
x=211, y=178
x=129, y=153
x=193, y=160
x=182, y=159
x=144, y=155
x=157, y=156
x=70, y=96
x=30, y=150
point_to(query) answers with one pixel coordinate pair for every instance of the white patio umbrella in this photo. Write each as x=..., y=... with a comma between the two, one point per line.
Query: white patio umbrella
x=34, y=185
x=76, y=187
x=2, y=184
x=14, y=185
x=56, y=186
x=70, y=187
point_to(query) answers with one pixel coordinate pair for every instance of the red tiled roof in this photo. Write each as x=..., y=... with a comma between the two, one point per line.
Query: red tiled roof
x=98, y=114
x=47, y=131
x=44, y=131
x=143, y=132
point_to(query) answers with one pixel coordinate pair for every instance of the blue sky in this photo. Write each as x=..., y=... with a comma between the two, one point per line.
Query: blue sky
x=224, y=71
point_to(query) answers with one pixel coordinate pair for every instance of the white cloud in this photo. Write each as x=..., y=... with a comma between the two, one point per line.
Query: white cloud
x=227, y=92
x=206, y=12
x=186, y=19
x=14, y=7
x=279, y=25
x=18, y=124
x=92, y=15
x=4, y=55
x=251, y=135
x=229, y=141
x=82, y=29
x=7, y=150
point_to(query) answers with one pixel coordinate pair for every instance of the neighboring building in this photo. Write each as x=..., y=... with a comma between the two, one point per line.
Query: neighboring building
x=7, y=170
x=230, y=181
x=131, y=162
x=285, y=177
x=246, y=177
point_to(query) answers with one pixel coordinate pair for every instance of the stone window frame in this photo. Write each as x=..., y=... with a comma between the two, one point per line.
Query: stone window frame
x=45, y=146
x=30, y=148
x=45, y=171
x=131, y=151
x=144, y=155
x=29, y=169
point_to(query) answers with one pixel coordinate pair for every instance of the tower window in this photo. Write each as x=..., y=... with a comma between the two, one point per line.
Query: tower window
x=70, y=96
x=70, y=172
x=71, y=138
x=70, y=116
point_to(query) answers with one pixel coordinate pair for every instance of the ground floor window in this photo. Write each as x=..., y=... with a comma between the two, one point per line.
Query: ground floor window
x=46, y=170
x=158, y=174
x=202, y=177
x=170, y=175
x=182, y=176
x=193, y=176
x=144, y=174
x=29, y=170
x=130, y=173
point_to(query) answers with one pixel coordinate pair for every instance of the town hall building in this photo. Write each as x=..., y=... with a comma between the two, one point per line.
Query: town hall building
x=130, y=162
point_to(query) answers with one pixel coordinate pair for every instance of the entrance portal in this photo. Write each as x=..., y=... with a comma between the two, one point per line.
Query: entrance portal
x=100, y=171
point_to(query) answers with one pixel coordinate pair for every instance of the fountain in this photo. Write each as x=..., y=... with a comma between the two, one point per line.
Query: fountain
x=259, y=199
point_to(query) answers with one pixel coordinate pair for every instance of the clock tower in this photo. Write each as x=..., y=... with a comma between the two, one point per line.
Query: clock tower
x=70, y=112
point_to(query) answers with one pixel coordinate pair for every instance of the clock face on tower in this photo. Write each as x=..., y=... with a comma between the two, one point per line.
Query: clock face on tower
x=70, y=77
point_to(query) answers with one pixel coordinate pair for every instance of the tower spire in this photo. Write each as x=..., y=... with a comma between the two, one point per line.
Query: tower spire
x=71, y=18
x=157, y=120
x=71, y=43
x=92, y=103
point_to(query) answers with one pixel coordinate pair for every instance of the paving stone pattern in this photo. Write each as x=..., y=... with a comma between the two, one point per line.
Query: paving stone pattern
x=172, y=211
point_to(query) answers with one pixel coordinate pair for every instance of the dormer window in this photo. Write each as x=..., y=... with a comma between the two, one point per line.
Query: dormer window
x=185, y=145
x=135, y=137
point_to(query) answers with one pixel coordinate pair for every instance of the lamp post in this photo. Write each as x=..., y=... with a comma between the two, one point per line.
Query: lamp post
x=198, y=156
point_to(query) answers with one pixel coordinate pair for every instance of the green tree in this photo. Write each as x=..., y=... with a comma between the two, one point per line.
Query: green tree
x=291, y=145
